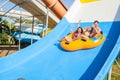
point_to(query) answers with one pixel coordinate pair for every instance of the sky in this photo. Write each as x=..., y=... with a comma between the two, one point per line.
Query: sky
x=68, y=3
x=9, y=5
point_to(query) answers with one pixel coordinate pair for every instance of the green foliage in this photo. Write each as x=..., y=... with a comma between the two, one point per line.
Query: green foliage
x=6, y=30
x=3, y=38
x=0, y=19
x=4, y=27
x=6, y=39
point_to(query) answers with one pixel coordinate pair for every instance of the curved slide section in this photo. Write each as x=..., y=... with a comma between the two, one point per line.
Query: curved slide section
x=57, y=7
x=46, y=60
x=26, y=37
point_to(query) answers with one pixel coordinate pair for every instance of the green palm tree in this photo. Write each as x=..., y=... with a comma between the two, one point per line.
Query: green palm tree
x=5, y=30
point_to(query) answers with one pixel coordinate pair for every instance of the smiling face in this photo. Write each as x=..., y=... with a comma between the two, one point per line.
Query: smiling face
x=79, y=30
x=96, y=23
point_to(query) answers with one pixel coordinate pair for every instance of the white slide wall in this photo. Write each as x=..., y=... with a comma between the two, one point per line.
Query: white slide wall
x=102, y=10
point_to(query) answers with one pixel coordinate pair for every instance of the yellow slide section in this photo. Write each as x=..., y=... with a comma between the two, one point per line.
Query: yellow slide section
x=87, y=1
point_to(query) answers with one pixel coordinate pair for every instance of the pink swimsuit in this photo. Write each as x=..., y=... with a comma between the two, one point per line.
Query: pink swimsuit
x=76, y=35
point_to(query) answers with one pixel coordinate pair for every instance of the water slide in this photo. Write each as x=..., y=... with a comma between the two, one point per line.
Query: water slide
x=26, y=32
x=38, y=9
x=46, y=60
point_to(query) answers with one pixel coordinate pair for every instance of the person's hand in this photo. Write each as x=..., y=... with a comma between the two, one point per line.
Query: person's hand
x=79, y=21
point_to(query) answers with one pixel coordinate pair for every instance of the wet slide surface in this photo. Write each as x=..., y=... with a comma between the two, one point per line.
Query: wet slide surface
x=46, y=60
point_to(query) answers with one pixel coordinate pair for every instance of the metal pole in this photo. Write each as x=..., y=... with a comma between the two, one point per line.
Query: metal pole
x=44, y=23
x=47, y=20
x=20, y=32
x=32, y=29
x=110, y=73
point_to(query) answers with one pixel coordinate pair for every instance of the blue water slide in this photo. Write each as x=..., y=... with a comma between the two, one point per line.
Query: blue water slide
x=46, y=60
x=26, y=36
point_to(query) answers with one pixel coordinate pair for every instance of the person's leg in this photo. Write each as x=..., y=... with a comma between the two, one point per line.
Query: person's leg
x=62, y=39
x=69, y=39
x=92, y=35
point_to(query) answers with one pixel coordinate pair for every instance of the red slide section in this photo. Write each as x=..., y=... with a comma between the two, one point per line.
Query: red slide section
x=57, y=7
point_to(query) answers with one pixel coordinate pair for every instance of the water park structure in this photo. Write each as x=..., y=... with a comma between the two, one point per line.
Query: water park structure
x=46, y=60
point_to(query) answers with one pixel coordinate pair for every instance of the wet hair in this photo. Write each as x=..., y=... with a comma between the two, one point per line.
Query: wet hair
x=96, y=21
x=81, y=30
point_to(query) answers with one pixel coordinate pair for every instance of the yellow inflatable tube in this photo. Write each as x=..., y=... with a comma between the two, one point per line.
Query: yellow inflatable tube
x=82, y=43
